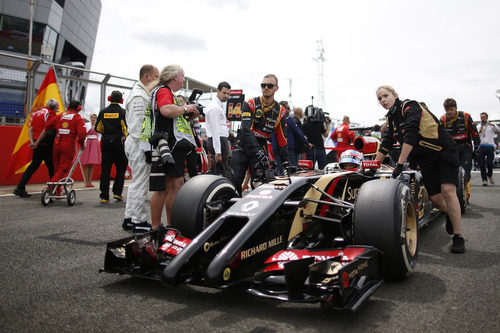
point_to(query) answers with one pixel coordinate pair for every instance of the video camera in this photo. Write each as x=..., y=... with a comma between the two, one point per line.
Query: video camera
x=314, y=113
x=193, y=99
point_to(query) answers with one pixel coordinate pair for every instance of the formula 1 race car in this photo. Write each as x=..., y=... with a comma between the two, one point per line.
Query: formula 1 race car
x=330, y=238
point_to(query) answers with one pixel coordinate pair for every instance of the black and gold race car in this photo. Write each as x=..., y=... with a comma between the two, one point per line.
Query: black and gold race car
x=327, y=237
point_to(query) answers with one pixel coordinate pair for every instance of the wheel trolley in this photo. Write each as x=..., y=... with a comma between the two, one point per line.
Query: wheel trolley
x=50, y=193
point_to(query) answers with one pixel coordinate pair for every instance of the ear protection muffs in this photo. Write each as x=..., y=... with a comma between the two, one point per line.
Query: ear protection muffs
x=79, y=108
x=109, y=99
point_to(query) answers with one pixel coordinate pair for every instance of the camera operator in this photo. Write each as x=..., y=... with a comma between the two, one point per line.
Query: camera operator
x=175, y=135
x=260, y=118
x=316, y=127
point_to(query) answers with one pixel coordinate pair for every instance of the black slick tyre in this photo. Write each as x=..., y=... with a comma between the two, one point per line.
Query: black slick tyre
x=385, y=217
x=199, y=201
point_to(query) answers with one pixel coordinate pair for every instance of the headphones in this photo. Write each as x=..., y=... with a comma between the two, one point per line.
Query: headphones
x=109, y=100
x=79, y=108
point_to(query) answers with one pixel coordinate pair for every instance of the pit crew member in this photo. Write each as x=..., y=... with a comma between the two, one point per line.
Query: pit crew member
x=424, y=142
x=260, y=118
x=460, y=126
x=42, y=144
x=69, y=127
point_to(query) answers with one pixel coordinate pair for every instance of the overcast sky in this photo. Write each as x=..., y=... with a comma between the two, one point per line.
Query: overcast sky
x=428, y=50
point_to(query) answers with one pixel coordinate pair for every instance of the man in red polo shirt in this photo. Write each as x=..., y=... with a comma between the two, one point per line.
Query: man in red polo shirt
x=41, y=142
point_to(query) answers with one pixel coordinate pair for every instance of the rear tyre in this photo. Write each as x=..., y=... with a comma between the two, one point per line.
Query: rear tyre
x=71, y=197
x=199, y=202
x=384, y=216
x=45, y=197
x=462, y=190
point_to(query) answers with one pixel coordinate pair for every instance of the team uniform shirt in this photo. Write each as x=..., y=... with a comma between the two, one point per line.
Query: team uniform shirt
x=69, y=126
x=111, y=123
x=343, y=136
x=215, y=118
x=39, y=120
x=411, y=123
x=258, y=122
x=461, y=128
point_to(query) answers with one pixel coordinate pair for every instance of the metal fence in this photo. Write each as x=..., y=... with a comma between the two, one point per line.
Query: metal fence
x=21, y=76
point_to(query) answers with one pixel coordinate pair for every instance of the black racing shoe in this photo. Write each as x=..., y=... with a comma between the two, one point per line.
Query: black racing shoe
x=21, y=193
x=118, y=197
x=448, y=226
x=142, y=227
x=127, y=224
x=458, y=244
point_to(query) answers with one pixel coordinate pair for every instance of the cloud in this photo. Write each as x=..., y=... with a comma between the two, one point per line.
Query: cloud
x=177, y=41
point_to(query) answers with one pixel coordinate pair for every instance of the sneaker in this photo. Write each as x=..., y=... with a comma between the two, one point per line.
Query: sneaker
x=458, y=244
x=142, y=227
x=21, y=193
x=104, y=201
x=127, y=224
x=448, y=226
x=485, y=183
x=118, y=197
x=492, y=181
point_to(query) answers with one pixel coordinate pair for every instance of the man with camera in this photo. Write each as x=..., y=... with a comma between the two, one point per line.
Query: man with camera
x=136, y=214
x=316, y=127
x=260, y=118
x=173, y=139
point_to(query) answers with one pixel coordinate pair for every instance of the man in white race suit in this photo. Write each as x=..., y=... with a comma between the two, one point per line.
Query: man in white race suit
x=136, y=209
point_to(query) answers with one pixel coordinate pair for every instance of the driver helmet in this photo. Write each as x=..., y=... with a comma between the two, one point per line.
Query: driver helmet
x=351, y=160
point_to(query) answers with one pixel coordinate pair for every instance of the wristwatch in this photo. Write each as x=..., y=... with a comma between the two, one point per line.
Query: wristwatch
x=185, y=109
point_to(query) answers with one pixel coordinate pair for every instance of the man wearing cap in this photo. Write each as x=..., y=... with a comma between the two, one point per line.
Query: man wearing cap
x=112, y=125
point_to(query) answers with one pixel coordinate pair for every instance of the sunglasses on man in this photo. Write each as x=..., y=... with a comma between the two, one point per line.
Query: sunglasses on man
x=267, y=85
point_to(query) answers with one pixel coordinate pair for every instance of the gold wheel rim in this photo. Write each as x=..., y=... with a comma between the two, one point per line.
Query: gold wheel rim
x=411, y=229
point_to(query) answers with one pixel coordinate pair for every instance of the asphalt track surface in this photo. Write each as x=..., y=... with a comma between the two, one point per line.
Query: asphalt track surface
x=50, y=257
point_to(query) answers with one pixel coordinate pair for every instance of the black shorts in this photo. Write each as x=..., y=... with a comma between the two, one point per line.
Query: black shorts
x=439, y=168
x=183, y=150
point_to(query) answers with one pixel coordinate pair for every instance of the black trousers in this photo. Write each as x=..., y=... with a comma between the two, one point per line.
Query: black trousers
x=221, y=168
x=112, y=153
x=40, y=154
x=240, y=163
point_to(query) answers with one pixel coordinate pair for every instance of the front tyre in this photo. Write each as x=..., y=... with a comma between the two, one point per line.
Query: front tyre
x=199, y=202
x=385, y=217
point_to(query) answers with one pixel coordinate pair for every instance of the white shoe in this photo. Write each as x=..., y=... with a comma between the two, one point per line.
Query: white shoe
x=485, y=183
x=492, y=181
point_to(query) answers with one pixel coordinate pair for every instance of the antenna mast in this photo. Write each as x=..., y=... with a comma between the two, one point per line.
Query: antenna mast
x=321, y=84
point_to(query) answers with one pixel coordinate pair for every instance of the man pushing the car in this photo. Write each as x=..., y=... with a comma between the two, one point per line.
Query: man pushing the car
x=261, y=117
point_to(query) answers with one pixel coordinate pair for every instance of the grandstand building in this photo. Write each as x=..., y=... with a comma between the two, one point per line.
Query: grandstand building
x=63, y=32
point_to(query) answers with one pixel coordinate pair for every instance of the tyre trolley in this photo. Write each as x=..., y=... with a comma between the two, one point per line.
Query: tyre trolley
x=50, y=193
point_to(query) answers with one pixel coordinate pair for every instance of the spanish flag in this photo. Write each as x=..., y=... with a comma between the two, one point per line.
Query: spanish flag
x=21, y=156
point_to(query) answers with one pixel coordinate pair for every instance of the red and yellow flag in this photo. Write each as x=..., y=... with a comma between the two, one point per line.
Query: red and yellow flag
x=22, y=154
